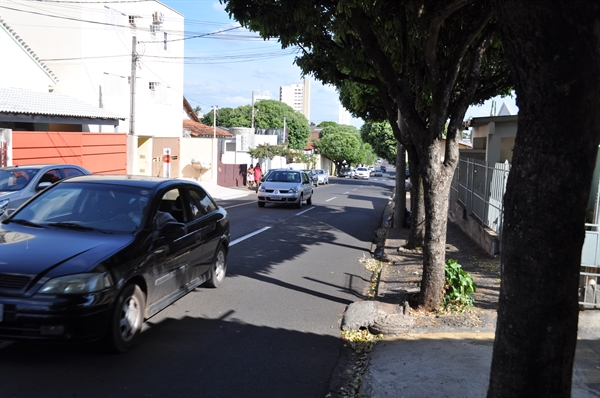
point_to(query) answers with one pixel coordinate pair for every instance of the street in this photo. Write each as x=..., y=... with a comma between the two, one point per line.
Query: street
x=271, y=330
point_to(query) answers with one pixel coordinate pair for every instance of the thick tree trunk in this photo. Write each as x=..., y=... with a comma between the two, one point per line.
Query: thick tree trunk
x=553, y=50
x=436, y=188
x=400, y=205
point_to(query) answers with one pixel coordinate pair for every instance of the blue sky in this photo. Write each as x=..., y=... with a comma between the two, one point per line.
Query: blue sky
x=223, y=69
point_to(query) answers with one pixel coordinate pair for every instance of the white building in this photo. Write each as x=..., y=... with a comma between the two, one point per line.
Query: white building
x=89, y=47
x=297, y=96
x=343, y=115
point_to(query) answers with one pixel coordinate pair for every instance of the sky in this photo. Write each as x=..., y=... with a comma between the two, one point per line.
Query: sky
x=224, y=69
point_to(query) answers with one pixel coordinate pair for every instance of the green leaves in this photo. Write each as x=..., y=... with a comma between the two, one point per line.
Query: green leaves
x=459, y=286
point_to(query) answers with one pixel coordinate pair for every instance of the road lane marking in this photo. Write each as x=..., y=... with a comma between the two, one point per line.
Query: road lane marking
x=346, y=193
x=328, y=200
x=243, y=238
x=302, y=212
x=241, y=204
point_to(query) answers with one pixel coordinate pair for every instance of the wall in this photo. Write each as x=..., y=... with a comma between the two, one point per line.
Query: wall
x=99, y=153
x=484, y=237
x=198, y=149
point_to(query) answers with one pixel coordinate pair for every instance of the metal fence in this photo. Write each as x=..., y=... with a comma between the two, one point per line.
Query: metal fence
x=480, y=189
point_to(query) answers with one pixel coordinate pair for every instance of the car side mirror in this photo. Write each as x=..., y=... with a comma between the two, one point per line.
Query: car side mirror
x=173, y=229
x=43, y=185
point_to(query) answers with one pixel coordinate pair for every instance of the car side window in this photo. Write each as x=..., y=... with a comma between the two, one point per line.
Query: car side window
x=71, y=172
x=170, y=208
x=200, y=203
x=304, y=178
x=50, y=176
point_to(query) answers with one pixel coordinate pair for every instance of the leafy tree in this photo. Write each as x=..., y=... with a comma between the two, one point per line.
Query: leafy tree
x=197, y=109
x=553, y=51
x=427, y=59
x=341, y=148
x=326, y=123
x=268, y=114
x=381, y=138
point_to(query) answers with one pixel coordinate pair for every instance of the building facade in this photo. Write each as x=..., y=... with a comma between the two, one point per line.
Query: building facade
x=297, y=96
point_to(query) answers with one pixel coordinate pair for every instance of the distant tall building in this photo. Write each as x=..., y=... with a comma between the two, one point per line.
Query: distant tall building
x=343, y=115
x=297, y=96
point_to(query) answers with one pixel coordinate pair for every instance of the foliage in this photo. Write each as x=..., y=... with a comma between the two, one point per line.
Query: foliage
x=267, y=114
x=340, y=147
x=266, y=151
x=361, y=341
x=459, y=286
x=381, y=138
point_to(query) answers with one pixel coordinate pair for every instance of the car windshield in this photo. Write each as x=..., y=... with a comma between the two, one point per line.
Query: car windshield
x=88, y=206
x=15, y=180
x=284, y=176
x=361, y=169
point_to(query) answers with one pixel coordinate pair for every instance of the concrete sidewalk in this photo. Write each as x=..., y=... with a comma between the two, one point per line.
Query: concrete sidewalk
x=458, y=364
x=223, y=193
x=454, y=360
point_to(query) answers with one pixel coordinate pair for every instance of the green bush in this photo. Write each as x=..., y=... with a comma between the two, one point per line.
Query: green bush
x=459, y=286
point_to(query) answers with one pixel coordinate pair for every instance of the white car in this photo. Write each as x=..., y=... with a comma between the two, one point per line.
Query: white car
x=286, y=186
x=322, y=176
x=362, y=172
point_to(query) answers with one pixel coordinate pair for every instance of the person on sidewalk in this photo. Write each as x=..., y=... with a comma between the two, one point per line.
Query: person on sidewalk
x=257, y=175
x=250, y=176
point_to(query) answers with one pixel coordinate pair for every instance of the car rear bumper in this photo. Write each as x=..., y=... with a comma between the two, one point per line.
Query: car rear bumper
x=81, y=318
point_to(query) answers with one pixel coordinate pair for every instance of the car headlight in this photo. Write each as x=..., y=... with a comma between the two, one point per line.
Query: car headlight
x=294, y=189
x=262, y=189
x=3, y=205
x=77, y=284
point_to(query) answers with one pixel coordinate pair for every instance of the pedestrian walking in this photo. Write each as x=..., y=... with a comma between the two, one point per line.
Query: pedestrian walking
x=257, y=175
x=250, y=176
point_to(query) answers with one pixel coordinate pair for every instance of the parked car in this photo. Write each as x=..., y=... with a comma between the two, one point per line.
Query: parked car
x=312, y=174
x=378, y=173
x=382, y=168
x=93, y=256
x=286, y=186
x=322, y=176
x=19, y=183
x=362, y=172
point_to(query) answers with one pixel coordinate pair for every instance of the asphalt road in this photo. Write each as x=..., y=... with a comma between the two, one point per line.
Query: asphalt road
x=271, y=330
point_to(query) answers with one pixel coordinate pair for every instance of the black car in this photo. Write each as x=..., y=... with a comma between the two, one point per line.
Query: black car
x=94, y=256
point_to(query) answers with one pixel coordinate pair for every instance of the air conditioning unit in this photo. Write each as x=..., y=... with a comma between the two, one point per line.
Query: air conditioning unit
x=158, y=17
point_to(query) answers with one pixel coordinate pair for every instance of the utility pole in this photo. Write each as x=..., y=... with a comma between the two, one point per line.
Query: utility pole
x=252, y=125
x=215, y=121
x=132, y=86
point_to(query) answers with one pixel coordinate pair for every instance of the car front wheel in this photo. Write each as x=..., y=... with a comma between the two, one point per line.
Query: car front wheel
x=261, y=204
x=309, y=201
x=300, y=200
x=127, y=318
x=218, y=268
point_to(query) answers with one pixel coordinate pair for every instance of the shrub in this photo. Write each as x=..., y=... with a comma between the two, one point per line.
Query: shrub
x=459, y=286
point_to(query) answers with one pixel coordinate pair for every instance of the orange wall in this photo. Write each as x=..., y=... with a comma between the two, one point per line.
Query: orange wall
x=100, y=153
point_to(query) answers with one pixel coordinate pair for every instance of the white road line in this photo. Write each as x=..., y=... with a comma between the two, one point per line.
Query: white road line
x=241, y=204
x=328, y=200
x=302, y=212
x=243, y=238
x=346, y=193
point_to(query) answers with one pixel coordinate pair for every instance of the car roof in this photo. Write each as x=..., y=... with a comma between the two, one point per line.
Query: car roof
x=40, y=166
x=148, y=182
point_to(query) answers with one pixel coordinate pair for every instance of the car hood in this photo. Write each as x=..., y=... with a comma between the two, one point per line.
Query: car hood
x=50, y=251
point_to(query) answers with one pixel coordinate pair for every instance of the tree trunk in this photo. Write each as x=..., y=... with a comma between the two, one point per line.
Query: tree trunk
x=436, y=188
x=553, y=50
x=400, y=205
x=416, y=237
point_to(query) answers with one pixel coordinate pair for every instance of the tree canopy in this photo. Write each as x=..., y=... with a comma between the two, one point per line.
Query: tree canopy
x=381, y=138
x=267, y=114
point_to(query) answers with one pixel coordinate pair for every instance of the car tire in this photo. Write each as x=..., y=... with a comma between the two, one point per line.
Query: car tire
x=218, y=269
x=299, y=204
x=261, y=204
x=309, y=201
x=127, y=318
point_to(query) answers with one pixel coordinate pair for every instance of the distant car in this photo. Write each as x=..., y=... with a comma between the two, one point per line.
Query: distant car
x=378, y=173
x=347, y=172
x=286, y=186
x=382, y=168
x=371, y=170
x=323, y=177
x=19, y=183
x=313, y=177
x=94, y=256
x=362, y=172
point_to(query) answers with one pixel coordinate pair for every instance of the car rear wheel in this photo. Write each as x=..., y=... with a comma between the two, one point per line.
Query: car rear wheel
x=127, y=318
x=300, y=200
x=218, y=268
